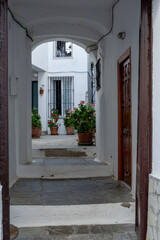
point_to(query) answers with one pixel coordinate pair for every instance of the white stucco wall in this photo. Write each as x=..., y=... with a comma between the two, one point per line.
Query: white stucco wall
x=43, y=99
x=153, y=231
x=1, y=212
x=77, y=63
x=127, y=15
x=40, y=56
x=19, y=74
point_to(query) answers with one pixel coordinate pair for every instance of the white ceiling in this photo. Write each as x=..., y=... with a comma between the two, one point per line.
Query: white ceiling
x=83, y=20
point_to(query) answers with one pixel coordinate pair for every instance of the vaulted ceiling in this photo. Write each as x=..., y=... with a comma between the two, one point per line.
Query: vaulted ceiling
x=84, y=21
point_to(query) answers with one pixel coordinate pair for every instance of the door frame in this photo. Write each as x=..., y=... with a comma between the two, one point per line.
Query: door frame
x=4, y=150
x=144, y=134
x=125, y=56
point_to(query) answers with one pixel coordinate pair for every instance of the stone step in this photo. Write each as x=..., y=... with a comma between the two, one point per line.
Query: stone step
x=64, y=168
x=71, y=152
x=87, y=232
x=38, y=215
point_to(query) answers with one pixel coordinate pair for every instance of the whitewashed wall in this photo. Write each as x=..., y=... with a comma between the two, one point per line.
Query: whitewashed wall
x=19, y=74
x=40, y=56
x=1, y=213
x=76, y=66
x=154, y=180
x=127, y=18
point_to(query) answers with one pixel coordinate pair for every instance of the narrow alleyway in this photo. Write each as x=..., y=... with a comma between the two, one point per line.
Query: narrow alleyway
x=78, y=202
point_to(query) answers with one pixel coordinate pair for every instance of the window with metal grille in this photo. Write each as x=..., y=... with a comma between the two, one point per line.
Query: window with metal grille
x=93, y=83
x=61, y=94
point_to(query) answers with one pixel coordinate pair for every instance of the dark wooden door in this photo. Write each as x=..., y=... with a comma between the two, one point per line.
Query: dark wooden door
x=34, y=94
x=4, y=173
x=126, y=120
x=144, y=146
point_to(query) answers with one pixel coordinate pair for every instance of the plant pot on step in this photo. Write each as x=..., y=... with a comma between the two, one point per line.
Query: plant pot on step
x=36, y=132
x=70, y=130
x=85, y=139
x=54, y=130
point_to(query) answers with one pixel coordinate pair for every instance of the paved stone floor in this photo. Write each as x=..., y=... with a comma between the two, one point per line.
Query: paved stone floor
x=92, y=232
x=69, y=192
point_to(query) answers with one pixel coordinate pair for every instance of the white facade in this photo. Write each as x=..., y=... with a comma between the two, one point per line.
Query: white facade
x=19, y=75
x=154, y=180
x=49, y=66
x=111, y=49
x=1, y=213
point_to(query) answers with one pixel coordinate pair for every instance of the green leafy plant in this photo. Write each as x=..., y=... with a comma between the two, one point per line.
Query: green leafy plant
x=53, y=122
x=36, y=118
x=42, y=87
x=84, y=118
x=68, y=120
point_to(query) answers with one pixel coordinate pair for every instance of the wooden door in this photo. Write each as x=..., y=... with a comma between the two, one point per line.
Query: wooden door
x=144, y=137
x=124, y=102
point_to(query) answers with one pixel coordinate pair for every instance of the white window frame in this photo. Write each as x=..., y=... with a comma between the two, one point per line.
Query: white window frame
x=55, y=51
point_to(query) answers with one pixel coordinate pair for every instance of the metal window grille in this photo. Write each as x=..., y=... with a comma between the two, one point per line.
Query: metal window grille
x=93, y=84
x=60, y=94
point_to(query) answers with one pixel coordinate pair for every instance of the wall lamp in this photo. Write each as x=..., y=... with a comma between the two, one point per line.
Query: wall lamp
x=121, y=35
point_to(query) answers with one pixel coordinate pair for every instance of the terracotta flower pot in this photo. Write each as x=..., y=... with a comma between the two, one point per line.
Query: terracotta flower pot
x=36, y=132
x=54, y=131
x=70, y=130
x=85, y=139
x=41, y=91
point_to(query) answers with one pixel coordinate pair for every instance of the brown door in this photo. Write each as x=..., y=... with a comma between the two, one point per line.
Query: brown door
x=125, y=138
x=144, y=146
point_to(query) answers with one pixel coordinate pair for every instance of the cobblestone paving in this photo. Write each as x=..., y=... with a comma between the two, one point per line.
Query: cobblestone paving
x=69, y=192
x=92, y=232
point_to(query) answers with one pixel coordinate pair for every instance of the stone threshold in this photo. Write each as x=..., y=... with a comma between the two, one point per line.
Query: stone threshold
x=64, y=172
x=39, y=216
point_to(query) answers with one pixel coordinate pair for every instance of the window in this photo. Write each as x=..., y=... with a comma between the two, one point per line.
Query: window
x=61, y=94
x=63, y=49
x=93, y=83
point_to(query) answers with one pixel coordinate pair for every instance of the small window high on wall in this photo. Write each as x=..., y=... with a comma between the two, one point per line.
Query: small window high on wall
x=63, y=49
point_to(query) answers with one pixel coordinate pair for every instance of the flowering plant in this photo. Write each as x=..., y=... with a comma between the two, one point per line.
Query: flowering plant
x=36, y=118
x=54, y=114
x=84, y=118
x=52, y=123
x=68, y=120
x=55, y=117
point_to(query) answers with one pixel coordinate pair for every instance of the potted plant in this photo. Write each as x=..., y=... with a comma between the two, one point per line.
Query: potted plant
x=41, y=89
x=53, y=123
x=36, y=124
x=69, y=122
x=84, y=123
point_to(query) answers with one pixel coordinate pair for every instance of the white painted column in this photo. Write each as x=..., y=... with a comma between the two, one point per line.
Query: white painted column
x=154, y=181
x=1, y=237
x=43, y=99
